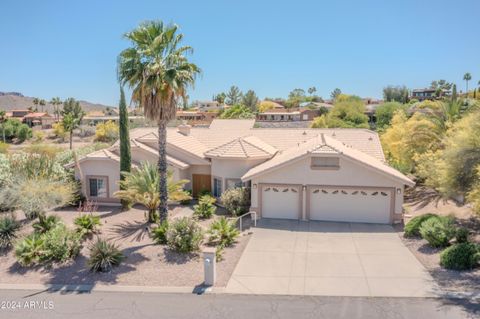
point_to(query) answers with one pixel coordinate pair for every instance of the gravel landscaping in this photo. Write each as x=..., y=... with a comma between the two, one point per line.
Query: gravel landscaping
x=449, y=280
x=146, y=264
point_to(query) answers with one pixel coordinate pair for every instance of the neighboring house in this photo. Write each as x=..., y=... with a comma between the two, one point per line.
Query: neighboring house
x=307, y=174
x=18, y=114
x=39, y=119
x=204, y=106
x=423, y=94
x=196, y=117
x=281, y=115
x=93, y=118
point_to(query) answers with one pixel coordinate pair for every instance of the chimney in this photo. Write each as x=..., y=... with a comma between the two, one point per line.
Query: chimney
x=184, y=129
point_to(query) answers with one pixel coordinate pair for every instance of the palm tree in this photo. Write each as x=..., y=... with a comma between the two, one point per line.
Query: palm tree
x=55, y=101
x=467, y=77
x=42, y=103
x=142, y=187
x=36, y=101
x=157, y=70
x=3, y=118
x=70, y=123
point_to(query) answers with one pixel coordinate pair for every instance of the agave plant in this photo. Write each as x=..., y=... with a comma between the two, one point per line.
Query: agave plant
x=8, y=228
x=46, y=223
x=30, y=250
x=104, y=256
x=142, y=187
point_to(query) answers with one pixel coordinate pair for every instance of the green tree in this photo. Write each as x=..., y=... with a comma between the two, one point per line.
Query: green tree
x=384, y=113
x=233, y=96
x=348, y=113
x=142, y=186
x=395, y=94
x=335, y=93
x=72, y=117
x=312, y=90
x=238, y=111
x=220, y=97
x=467, y=77
x=250, y=100
x=125, y=155
x=440, y=86
x=158, y=71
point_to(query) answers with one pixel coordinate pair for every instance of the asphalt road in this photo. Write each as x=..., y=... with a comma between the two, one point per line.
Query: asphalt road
x=106, y=305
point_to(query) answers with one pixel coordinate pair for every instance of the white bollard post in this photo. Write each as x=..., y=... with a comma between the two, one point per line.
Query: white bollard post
x=210, y=265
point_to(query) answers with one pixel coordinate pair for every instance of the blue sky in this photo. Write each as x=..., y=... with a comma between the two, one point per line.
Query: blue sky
x=69, y=48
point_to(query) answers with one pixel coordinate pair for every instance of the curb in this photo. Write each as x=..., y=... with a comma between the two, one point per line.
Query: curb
x=107, y=288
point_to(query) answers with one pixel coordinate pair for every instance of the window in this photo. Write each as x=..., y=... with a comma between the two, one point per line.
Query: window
x=98, y=187
x=233, y=183
x=325, y=163
x=217, y=187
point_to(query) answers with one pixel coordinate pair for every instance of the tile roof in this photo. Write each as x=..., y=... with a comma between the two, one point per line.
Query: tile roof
x=243, y=147
x=325, y=144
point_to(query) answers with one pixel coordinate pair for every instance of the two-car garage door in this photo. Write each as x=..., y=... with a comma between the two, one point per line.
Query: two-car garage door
x=362, y=205
x=344, y=204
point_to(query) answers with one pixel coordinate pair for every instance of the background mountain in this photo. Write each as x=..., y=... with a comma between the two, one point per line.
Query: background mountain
x=15, y=101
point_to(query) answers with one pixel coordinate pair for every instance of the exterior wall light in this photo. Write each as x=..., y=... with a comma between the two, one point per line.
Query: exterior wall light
x=399, y=191
x=255, y=186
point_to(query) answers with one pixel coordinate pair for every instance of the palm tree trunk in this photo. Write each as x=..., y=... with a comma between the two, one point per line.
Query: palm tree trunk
x=162, y=168
x=71, y=135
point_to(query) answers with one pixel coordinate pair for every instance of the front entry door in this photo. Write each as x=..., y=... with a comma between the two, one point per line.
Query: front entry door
x=200, y=183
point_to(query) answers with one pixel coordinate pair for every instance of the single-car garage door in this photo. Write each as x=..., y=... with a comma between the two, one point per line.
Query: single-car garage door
x=280, y=201
x=363, y=205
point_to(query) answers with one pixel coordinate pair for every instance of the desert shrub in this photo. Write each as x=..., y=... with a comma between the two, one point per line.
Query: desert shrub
x=61, y=244
x=222, y=232
x=106, y=132
x=38, y=136
x=47, y=150
x=87, y=224
x=8, y=229
x=184, y=235
x=104, y=256
x=187, y=201
x=86, y=131
x=236, y=200
x=4, y=148
x=59, y=130
x=159, y=234
x=438, y=231
x=30, y=250
x=461, y=235
x=204, y=192
x=36, y=195
x=67, y=156
x=46, y=223
x=412, y=228
x=460, y=256
x=205, y=208
x=24, y=132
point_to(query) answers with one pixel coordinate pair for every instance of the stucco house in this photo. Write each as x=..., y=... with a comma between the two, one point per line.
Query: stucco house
x=306, y=174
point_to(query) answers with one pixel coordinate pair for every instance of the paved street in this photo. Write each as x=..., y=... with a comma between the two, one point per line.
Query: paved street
x=289, y=257
x=104, y=305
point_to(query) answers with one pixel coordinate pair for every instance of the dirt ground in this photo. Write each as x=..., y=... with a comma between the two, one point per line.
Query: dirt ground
x=146, y=264
x=426, y=201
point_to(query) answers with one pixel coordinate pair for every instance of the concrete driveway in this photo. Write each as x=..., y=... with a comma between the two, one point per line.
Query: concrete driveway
x=330, y=259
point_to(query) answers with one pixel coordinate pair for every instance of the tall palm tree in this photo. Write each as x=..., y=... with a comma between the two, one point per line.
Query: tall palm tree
x=42, y=103
x=36, y=101
x=157, y=70
x=467, y=77
x=55, y=101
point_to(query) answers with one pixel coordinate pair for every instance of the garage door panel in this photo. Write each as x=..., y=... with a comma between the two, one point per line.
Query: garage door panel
x=364, y=205
x=280, y=202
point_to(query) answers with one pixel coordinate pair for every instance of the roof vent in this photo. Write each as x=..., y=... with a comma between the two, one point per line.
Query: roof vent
x=304, y=133
x=333, y=134
x=370, y=138
x=184, y=129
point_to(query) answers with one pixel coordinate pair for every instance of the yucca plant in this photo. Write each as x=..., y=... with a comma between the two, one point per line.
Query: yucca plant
x=184, y=235
x=104, y=256
x=8, y=228
x=205, y=208
x=46, y=223
x=222, y=232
